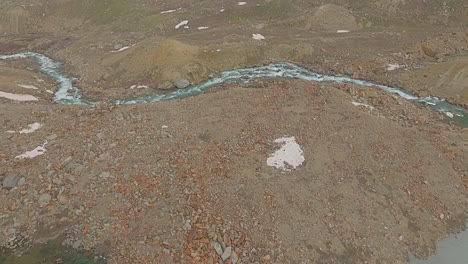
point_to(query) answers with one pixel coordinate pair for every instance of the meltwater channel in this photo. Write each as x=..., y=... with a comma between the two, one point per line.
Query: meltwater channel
x=68, y=94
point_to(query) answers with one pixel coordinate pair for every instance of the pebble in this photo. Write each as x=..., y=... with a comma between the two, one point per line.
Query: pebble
x=44, y=199
x=10, y=181
x=227, y=253
x=77, y=244
x=234, y=257
x=62, y=198
x=181, y=84
x=218, y=248
x=21, y=181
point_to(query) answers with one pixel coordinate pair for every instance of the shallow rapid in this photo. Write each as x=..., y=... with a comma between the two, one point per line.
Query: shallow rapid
x=68, y=94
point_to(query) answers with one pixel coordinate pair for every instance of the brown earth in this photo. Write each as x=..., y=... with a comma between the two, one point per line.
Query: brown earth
x=378, y=182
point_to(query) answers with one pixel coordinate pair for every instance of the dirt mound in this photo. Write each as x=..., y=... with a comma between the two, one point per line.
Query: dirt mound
x=446, y=80
x=162, y=63
x=332, y=18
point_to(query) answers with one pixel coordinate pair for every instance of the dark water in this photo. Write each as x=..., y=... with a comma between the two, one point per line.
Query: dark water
x=49, y=253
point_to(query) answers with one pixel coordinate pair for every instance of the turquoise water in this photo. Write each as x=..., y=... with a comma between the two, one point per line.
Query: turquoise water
x=452, y=250
x=68, y=94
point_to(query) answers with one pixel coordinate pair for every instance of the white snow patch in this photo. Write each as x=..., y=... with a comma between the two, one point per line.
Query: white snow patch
x=241, y=3
x=222, y=10
x=258, y=36
x=138, y=87
x=31, y=128
x=171, y=11
x=26, y=86
x=341, y=31
x=40, y=150
x=393, y=66
x=182, y=24
x=202, y=28
x=121, y=49
x=290, y=155
x=164, y=127
x=49, y=91
x=362, y=104
x=18, y=97
x=449, y=114
x=168, y=11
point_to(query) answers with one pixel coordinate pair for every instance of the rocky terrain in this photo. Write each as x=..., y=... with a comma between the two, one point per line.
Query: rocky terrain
x=187, y=180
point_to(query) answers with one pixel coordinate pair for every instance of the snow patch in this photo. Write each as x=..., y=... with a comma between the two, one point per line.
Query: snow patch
x=18, y=97
x=290, y=155
x=31, y=128
x=241, y=3
x=138, y=87
x=393, y=66
x=40, y=150
x=182, y=24
x=363, y=104
x=171, y=11
x=168, y=11
x=258, y=36
x=121, y=49
x=342, y=31
x=449, y=114
x=26, y=86
x=202, y=28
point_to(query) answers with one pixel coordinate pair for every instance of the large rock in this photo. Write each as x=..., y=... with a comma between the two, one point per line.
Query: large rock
x=10, y=181
x=44, y=199
x=181, y=84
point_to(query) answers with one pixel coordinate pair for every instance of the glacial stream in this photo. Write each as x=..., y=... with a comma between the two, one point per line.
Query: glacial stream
x=68, y=94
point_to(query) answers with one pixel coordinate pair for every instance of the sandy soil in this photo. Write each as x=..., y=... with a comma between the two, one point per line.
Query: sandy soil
x=186, y=181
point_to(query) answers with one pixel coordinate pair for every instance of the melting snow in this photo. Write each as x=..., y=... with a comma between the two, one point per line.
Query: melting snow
x=241, y=3
x=290, y=155
x=449, y=114
x=121, y=49
x=182, y=24
x=25, y=86
x=362, y=104
x=202, y=28
x=31, y=128
x=392, y=67
x=18, y=97
x=138, y=87
x=40, y=150
x=258, y=36
x=171, y=11
x=341, y=31
x=168, y=11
